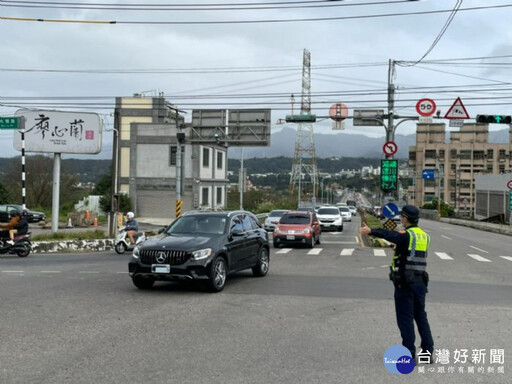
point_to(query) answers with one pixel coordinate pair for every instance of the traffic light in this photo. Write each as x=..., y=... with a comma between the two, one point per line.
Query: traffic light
x=306, y=118
x=493, y=119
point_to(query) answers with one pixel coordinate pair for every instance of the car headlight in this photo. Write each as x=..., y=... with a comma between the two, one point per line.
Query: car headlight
x=136, y=253
x=201, y=254
x=307, y=230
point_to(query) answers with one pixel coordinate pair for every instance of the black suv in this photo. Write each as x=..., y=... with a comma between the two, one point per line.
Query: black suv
x=202, y=246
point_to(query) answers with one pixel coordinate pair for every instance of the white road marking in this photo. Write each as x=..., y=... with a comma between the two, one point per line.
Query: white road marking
x=479, y=258
x=357, y=239
x=446, y=237
x=443, y=256
x=284, y=250
x=13, y=271
x=478, y=249
x=347, y=252
x=379, y=252
x=509, y=258
x=315, y=251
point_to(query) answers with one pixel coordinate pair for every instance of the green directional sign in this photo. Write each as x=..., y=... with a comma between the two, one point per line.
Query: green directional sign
x=388, y=175
x=510, y=200
x=9, y=123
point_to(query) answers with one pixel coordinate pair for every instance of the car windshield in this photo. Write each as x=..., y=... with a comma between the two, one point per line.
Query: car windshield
x=208, y=225
x=328, y=211
x=276, y=213
x=294, y=219
x=344, y=209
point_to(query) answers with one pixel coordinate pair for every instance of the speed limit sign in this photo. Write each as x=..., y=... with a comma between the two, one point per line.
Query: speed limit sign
x=426, y=107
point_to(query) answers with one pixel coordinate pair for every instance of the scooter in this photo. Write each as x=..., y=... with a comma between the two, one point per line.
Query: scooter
x=123, y=242
x=21, y=247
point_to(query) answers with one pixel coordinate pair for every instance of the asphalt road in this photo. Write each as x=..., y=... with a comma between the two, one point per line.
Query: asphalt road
x=320, y=316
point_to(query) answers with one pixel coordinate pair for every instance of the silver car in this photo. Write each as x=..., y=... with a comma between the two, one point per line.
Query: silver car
x=273, y=218
x=345, y=213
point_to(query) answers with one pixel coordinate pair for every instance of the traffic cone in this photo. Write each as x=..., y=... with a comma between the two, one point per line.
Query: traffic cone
x=95, y=222
x=87, y=215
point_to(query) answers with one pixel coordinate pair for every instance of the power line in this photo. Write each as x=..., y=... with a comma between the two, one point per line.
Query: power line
x=261, y=21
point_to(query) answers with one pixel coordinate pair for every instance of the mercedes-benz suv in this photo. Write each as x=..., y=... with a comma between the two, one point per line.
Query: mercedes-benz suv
x=202, y=245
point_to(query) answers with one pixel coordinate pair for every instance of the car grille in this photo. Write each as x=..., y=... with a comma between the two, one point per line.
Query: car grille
x=149, y=256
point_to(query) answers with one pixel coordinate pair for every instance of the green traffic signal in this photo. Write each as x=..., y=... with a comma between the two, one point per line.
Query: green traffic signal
x=494, y=119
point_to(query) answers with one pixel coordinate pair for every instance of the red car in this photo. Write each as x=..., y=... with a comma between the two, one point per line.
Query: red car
x=297, y=227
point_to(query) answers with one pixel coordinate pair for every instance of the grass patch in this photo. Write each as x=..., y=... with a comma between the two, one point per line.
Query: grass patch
x=85, y=235
x=372, y=221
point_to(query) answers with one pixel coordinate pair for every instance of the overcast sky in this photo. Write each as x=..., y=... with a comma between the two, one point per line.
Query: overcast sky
x=50, y=64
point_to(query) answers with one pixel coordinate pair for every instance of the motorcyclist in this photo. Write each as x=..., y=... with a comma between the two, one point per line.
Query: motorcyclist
x=132, y=227
x=17, y=225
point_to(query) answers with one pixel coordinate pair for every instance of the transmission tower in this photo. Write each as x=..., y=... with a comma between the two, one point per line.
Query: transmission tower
x=304, y=176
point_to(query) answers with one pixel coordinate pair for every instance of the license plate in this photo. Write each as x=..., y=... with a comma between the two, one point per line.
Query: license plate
x=290, y=237
x=161, y=268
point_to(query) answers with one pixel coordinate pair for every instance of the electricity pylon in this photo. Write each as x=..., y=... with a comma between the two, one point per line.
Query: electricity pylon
x=304, y=176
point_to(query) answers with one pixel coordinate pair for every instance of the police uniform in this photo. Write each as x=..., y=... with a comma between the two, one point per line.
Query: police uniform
x=409, y=276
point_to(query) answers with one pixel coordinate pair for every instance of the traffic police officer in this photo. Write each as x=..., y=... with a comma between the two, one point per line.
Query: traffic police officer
x=409, y=276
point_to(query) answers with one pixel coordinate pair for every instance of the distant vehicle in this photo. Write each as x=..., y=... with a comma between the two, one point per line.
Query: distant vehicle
x=345, y=212
x=273, y=218
x=205, y=246
x=297, y=227
x=31, y=216
x=351, y=202
x=352, y=209
x=330, y=218
x=306, y=209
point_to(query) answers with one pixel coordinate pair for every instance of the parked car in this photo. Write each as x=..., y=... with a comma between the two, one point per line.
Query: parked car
x=330, y=218
x=202, y=245
x=299, y=228
x=273, y=218
x=345, y=213
x=353, y=210
x=31, y=216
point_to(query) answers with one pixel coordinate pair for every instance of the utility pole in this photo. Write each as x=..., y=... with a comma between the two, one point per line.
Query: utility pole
x=180, y=137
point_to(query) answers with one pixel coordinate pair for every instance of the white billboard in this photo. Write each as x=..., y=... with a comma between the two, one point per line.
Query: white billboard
x=59, y=132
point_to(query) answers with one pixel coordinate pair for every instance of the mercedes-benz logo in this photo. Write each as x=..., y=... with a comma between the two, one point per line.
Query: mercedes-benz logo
x=160, y=258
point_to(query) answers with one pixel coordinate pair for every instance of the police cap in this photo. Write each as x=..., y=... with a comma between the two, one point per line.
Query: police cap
x=411, y=212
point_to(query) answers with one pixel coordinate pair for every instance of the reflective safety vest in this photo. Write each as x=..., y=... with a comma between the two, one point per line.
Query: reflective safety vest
x=416, y=261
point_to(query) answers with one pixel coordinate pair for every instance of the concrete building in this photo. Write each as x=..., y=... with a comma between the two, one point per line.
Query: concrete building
x=459, y=161
x=492, y=197
x=145, y=160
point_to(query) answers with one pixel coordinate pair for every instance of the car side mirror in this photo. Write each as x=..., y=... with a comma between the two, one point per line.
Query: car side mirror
x=237, y=232
x=161, y=230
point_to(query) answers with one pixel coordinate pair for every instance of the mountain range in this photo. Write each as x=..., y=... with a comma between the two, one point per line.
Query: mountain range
x=282, y=143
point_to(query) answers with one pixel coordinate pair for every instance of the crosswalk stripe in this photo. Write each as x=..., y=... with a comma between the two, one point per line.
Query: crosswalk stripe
x=284, y=250
x=478, y=257
x=509, y=258
x=315, y=251
x=379, y=252
x=347, y=252
x=443, y=256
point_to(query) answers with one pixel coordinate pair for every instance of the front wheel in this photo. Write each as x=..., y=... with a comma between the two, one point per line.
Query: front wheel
x=25, y=252
x=143, y=282
x=218, y=274
x=261, y=267
x=120, y=248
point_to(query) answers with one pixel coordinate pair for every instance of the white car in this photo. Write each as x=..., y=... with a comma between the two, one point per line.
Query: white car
x=330, y=218
x=345, y=213
x=273, y=218
x=353, y=210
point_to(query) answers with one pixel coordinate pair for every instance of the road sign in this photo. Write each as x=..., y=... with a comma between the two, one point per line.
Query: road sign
x=390, y=210
x=457, y=110
x=9, y=123
x=426, y=119
x=389, y=224
x=389, y=148
x=509, y=184
x=388, y=175
x=510, y=200
x=428, y=174
x=338, y=111
x=368, y=117
x=426, y=107
x=456, y=122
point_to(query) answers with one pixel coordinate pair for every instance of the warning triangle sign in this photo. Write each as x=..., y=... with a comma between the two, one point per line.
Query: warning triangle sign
x=457, y=110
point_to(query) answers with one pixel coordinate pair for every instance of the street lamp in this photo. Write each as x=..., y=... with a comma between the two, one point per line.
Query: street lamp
x=322, y=187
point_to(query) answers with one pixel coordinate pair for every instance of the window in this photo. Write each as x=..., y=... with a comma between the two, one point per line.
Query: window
x=502, y=169
x=430, y=154
x=220, y=158
x=478, y=155
x=173, y=150
x=490, y=154
x=219, y=196
x=453, y=153
x=236, y=224
x=206, y=157
x=205, y=196
x=502, y=154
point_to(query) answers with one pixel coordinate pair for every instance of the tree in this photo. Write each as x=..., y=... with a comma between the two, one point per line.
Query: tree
x=5, y=196
x=104, y=188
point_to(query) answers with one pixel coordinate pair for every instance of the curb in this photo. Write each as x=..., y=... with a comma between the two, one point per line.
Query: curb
x=73, y=246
